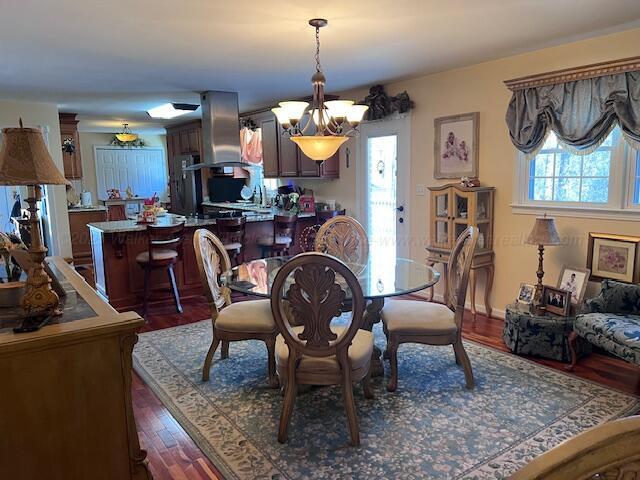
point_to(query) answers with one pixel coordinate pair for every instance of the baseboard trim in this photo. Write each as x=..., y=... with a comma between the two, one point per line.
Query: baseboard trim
x=439, y=298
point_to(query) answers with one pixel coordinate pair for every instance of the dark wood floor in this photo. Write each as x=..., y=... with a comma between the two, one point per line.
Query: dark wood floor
x=173, y=455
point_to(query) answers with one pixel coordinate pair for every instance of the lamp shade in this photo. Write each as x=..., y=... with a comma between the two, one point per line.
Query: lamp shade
x=25, y=159
x=319, y=147
x=544, y=232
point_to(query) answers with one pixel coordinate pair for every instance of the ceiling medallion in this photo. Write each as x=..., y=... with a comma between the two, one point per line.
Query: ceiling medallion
x=322, y=134
x=126, y=135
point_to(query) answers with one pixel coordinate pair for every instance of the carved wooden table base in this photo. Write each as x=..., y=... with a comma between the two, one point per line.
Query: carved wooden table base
x=371, y=317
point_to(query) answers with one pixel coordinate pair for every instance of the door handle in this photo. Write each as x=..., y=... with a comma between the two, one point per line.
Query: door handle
x=400, y=208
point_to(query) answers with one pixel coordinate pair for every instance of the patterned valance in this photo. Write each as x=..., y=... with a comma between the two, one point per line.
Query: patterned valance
x=580, y=105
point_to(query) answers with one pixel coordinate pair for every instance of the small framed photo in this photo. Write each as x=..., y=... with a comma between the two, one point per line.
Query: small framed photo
x=456, y=145
x=526, y=293
x=574, y=280
x=613, y=256
x=556, y=300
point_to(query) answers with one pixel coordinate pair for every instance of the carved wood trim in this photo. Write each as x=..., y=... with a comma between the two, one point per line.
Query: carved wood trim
x=576, y=73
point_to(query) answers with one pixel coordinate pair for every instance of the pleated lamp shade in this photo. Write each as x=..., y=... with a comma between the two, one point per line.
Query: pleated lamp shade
x=544, y=232
x=25, y=159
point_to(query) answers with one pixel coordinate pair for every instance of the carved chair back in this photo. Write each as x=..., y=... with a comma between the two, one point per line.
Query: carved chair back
x=231, y=230
x=313, y=298
x=164, y=238
x=344, y=238
x=459, y=270
x=212, y=260
x=285, y=226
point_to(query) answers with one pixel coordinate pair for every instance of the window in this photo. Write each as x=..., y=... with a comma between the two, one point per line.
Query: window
x=558, y=179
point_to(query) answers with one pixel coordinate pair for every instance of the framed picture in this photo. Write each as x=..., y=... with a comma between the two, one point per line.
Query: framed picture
x=556, y=300
x=613, y=256
x=575, y=281
x=526, y=293
x=456, y=146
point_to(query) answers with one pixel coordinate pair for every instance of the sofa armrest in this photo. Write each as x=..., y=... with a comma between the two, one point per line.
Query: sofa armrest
x=615, y=297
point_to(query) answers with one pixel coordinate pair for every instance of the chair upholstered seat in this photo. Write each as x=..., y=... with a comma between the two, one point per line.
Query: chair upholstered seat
x=267, y=240
x=359, y=353
x=412, y=317
x=161, y=255
x=232, y=246
x=250, y=316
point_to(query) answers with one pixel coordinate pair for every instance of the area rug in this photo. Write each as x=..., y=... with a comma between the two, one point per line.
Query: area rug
x=430, y=428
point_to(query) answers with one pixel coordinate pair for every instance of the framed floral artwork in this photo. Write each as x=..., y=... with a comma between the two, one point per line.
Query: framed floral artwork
x=456, y=145
x=613, y=256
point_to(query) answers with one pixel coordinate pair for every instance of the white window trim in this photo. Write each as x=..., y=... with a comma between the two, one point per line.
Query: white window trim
x=619, y=207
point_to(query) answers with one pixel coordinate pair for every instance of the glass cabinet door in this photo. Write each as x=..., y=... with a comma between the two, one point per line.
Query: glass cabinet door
x=441, y=234
x=441, y=205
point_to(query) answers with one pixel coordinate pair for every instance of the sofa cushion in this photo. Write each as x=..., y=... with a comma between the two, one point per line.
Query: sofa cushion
x=616, y=297
x=621, y=329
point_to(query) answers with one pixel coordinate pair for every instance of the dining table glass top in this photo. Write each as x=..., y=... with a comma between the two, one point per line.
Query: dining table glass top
x=380, y=277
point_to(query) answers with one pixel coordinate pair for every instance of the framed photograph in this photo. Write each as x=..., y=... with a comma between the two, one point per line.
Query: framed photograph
x=613, y=256
x=456, y=146
x=556, y=300
x=526, y=293
x=575, y=281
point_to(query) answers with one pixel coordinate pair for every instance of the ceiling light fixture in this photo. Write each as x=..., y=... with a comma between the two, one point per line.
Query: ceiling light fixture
x=172, y=110
x=126, y=135
x=338, y=122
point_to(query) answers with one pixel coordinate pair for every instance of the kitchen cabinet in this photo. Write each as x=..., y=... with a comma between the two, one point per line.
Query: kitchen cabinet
x=72, y=162
x=80, y=238
x=268, y=125
x=288, y=156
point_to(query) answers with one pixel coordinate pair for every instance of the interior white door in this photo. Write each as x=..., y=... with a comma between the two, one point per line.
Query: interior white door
x=383, y=174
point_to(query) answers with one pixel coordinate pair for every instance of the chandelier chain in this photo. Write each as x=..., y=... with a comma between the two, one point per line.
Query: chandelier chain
x=318, y=68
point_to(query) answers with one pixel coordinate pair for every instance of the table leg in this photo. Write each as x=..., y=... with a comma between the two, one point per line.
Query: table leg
x=371, y=317
x=430, y=297
x=487, y=290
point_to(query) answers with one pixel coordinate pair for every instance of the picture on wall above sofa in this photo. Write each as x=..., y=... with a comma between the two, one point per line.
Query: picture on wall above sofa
x=614, y=257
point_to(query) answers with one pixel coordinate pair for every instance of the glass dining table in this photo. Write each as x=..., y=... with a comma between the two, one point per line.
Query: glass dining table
x=381, y=277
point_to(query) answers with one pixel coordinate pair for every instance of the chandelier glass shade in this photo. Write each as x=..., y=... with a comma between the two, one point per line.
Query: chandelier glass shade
x=319, y=135
x=126, y=135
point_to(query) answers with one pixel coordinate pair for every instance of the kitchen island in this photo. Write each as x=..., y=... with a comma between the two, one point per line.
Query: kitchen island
x=120, y=280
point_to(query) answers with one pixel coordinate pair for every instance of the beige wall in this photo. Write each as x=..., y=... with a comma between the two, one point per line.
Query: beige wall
x=88, y=140
x=480, y=88
x=45, y=115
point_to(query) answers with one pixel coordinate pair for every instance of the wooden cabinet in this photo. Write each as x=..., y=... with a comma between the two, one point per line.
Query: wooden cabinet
x=288, y=156
x=72, y=162
x=269, y=128
x=80, y=237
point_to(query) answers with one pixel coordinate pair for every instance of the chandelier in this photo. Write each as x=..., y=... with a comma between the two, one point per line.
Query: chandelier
x=126, y=135
x=328, y=124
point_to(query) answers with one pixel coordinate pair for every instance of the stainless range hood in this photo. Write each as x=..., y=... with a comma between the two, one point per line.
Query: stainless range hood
x=220, y=131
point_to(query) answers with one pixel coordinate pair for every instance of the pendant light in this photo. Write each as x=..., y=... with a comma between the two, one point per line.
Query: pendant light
x=126, y=135
x=334, y=121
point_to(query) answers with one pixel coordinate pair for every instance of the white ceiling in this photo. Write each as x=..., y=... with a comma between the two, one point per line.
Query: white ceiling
x=111, y=60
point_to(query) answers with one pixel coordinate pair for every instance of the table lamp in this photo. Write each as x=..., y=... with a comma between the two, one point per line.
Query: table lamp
x=25, y=161
x=544, y=233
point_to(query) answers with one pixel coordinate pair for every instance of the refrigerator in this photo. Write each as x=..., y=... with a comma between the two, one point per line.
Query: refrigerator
x=186, y=186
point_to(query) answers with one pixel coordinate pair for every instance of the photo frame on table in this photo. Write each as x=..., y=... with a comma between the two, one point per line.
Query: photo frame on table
x=556, y=300
x=614, y=257
x=575, y=280
x=526, y=293
x=456, y=145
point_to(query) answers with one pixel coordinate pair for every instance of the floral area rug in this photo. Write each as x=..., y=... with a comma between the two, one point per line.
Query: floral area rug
x=432, y=427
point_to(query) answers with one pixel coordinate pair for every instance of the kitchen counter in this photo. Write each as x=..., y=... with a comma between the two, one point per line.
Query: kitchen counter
x=96, y=208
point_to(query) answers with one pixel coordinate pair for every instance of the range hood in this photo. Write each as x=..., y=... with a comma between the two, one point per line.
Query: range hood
x=220, y=131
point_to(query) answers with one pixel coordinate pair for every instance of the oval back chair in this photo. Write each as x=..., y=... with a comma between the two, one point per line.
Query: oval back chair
x=247, y=320
x=343, y=237
x=305, y=298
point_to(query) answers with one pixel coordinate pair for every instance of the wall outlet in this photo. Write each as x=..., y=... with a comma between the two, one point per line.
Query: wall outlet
x=421, y=190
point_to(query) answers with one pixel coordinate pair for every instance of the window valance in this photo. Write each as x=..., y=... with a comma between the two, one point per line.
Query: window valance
x=580, y=105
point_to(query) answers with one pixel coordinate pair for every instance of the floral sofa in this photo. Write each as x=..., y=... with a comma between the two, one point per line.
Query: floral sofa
x=611, y=321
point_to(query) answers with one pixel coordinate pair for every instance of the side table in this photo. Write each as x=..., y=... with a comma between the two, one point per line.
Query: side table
x=546, y=336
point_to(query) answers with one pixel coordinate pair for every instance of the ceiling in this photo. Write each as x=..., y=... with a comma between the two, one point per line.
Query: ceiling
x=111, y=60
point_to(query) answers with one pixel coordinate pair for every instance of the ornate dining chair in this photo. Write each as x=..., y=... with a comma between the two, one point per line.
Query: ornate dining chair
x=344, y=238
x=309, y=350
x=247, y=320
x=412, y=321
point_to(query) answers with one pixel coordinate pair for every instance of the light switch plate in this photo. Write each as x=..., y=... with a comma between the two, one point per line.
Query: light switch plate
x=421, y=190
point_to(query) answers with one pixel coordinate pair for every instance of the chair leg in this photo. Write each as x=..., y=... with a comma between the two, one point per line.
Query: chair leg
x=147, y=291
x=271, y=362
x=366, y=386
x=224, y=352
x=458, y=362
x=349, y=403
x=385, y=354
x=393, y=360
x=573, y=340
x=209, y=358
x=174, y=288
x=290, y=392
x=466, y=363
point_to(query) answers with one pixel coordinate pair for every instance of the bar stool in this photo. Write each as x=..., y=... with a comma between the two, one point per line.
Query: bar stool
x=324, y=215
x=163, y=252
x=283, y=238
x=231, y=233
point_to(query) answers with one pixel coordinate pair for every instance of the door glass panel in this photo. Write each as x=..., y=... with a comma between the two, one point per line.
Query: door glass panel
x=461, y=206
x=442, y=205
x=381, y=211
x=460, y=228
x=442, y=233
x=483, y=207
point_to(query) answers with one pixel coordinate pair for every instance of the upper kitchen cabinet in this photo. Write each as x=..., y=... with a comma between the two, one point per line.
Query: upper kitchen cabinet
x=267, y=123
x=70, y=140
x=185, y=139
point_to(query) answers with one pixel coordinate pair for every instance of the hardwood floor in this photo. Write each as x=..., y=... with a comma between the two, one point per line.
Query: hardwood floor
x=174, y=456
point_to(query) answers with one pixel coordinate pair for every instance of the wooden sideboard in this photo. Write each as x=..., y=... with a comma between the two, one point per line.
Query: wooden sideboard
x=452, y=209
x=65, y=399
